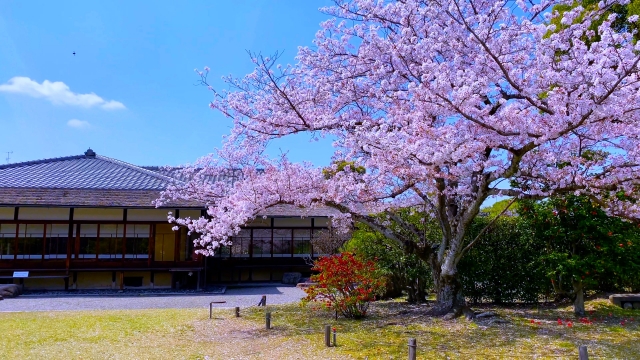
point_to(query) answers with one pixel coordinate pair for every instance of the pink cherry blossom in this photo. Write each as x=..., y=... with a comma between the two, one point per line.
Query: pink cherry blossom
x=444, y=104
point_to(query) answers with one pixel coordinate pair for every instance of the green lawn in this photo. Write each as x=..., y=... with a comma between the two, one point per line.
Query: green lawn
x=297, y=334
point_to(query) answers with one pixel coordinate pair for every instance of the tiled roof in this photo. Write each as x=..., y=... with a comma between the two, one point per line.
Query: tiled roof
x=178, y=173
x=282, y=210
x=84, y=198
x=95, y=180
x=127, y=198
x=89, y=171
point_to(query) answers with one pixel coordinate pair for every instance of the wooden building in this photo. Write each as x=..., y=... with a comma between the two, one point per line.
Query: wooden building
x=88, y=221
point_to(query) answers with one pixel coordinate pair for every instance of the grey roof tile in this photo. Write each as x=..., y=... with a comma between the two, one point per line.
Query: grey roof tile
x=81, y=172
x=95, y=180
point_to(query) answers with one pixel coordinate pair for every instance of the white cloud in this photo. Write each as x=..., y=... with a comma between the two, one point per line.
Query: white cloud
x=78, y=124
x=57, y=92
x=113, y=105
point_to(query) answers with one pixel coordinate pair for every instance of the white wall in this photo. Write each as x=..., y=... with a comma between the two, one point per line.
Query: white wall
x=6, y=213
x=43, y=213
x=97, y=214
x=148, y=214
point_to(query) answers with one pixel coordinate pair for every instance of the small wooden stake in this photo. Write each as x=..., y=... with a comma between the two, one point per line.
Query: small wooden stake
x=237, y=311
x=327, y=335
x=268, y=320
x=412, y=349
x=584, y=355
x=334, y=337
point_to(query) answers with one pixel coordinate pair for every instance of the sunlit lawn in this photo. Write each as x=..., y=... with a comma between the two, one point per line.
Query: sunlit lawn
x=297, y=334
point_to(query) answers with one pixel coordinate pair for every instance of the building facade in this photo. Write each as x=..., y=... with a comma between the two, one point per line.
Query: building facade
x=88, y=221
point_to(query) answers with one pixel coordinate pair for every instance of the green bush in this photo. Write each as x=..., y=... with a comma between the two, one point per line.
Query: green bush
x=504, y=265
x=404, y=273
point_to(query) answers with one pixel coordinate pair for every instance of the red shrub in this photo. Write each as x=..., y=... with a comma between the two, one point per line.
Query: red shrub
x=346, y=284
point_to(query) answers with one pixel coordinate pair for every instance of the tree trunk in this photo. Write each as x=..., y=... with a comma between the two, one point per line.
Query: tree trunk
x=449, y=297
x=422, y=294
x=411, y=292
x=578, y=303
x=448, y=289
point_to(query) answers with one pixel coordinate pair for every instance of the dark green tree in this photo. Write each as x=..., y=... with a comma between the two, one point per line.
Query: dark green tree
x=404, y=271
x=583, y=246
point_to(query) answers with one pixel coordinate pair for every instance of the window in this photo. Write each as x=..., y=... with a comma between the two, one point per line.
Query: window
x=281, y=242
x=261, y=242
x=30, y=241
x=137, y=246
x=301, y=242
x=7, y=240
x=110, y=244
x=88, y=241
x=56, y=242
x=240, y=243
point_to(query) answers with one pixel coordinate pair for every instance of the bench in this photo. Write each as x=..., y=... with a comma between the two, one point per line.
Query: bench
x=626, y=301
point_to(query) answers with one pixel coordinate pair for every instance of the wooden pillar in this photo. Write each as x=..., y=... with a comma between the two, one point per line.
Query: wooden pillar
x=113, y=279
x=272, y=225
x=98, y=242
x=76, y=249
x=16, y=211
x=292, y=232
x=176, y=246
x=124, y=235
x=313, y=225
x=69, y=240
x=250, y=243
x=152, y=279
x=15, y=242
x=122, y=280
x=152, y=244
x=75, y=280
x=44, y=240
x=176, y=249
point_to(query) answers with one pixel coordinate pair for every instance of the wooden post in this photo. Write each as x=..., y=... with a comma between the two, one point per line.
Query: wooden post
x=211, y=310
x=412, y=349
x=584, y=355
x=44, y=240
x=152, y=245
x=237, y=311
x=268, y=320
x=334, y=337
x=327, y=335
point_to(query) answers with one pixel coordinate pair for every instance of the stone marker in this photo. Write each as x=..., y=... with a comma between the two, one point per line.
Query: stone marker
x=9, y=290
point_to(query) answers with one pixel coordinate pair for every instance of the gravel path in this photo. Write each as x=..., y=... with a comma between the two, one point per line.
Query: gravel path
x=242, y=297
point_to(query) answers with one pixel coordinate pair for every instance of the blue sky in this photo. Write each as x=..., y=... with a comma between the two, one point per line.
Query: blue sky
x=137, y=59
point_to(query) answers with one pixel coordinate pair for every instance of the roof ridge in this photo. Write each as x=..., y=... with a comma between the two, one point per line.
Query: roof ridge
x=41, y=161
x=137, y=168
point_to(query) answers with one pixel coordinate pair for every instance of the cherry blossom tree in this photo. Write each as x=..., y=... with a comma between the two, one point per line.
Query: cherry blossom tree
x=434, y=107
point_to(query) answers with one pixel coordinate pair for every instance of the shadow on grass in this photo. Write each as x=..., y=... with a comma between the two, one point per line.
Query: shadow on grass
x=517, y=331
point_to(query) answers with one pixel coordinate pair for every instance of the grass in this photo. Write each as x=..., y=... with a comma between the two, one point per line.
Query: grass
x=297, y=334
